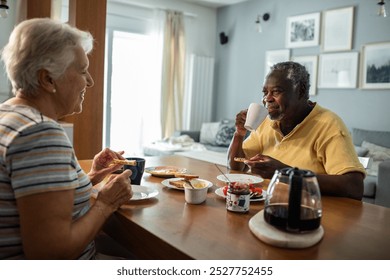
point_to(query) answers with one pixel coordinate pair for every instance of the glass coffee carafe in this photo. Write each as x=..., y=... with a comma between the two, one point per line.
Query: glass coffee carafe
x=293, y=201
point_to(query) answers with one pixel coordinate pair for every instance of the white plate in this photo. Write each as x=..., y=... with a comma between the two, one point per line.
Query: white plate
x=220, y=193
x=243, y=178
x=166, y=183
x=141, y=192
x=165, y=171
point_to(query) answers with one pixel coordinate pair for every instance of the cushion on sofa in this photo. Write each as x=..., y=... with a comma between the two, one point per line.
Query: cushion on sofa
x=361, y=151
x=378, y=154
x=225, y=133
x=208, y=133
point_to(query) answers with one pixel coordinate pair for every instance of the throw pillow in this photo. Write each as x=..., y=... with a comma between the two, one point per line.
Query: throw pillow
x=361, y=152
x=378, y=154
x=225, y=133
x=208, y=132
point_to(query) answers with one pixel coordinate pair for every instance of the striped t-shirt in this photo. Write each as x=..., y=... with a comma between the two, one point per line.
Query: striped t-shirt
x=36, y=156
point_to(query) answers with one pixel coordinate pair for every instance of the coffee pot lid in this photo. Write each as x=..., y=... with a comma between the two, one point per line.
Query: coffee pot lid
x=297, y=172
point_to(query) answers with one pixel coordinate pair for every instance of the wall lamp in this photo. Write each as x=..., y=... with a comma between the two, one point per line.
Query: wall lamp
x=382, y=10
x=3, y=9
x=264, y=17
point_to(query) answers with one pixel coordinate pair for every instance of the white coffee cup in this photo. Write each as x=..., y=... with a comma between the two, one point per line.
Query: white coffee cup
x=195, y=195
x=255, y=116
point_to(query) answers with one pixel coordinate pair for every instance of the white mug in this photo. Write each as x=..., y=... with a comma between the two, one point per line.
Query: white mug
x=195, y=195
x=255, y=116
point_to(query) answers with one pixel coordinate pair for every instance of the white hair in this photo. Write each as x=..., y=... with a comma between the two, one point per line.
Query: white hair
x=41, y=43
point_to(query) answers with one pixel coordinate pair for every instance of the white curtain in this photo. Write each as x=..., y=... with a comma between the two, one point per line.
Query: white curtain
x=172, y=88
x=21, y=11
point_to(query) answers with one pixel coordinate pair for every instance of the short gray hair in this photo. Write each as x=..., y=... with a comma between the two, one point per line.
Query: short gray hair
x=297, y=73
x=41, y=43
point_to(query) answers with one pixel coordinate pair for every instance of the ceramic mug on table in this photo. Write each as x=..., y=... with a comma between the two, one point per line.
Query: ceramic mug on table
x=137, y=170
x=195, y=195
x=255, y=116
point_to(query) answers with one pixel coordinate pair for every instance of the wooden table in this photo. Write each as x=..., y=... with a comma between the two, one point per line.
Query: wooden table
x=165, y=227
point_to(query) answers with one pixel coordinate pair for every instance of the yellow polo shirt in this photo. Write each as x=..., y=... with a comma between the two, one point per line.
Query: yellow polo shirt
x=320, y=143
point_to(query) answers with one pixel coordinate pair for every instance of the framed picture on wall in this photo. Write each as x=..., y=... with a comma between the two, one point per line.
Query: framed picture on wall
x=337, y=29
x=375, y=68
x=310, y=62
x=275, y=56
x=338, y=70
x=303, y=30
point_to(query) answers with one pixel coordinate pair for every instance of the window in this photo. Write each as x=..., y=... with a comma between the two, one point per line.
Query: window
x=132, y=115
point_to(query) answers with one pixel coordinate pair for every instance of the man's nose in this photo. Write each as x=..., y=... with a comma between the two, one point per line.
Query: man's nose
x=267, y=96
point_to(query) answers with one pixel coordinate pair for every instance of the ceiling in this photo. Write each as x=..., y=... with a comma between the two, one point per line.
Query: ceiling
x=215, y=3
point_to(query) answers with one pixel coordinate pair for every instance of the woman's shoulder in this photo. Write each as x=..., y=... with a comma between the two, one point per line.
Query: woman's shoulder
x=23, y=122
x=20, y=117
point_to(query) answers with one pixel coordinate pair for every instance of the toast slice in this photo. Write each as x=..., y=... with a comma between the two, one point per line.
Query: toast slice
x=178, y=183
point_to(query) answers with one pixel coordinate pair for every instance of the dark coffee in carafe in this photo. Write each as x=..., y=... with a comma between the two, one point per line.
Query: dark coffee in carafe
x=277, y=215
x=293, y=202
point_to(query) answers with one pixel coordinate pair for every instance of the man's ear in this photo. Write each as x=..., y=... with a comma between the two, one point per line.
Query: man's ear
x=302, y=91
x=45, y=80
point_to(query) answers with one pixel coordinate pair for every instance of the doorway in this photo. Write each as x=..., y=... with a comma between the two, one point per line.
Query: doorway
x=132, y=99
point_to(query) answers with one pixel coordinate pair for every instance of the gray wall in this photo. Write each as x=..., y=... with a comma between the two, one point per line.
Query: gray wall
x=240, y=63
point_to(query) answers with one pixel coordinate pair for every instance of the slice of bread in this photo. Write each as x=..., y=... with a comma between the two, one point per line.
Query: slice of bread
x=186, y=176
x=178, y=183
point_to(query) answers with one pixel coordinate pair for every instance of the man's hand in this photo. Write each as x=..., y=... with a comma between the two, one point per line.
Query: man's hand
x=240, y=121
x=264, y=165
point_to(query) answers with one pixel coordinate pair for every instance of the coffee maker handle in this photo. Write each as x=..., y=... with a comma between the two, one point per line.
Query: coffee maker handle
x=294, y=201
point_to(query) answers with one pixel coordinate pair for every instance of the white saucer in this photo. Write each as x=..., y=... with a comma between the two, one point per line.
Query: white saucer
x=142, y=192
x=139, y=192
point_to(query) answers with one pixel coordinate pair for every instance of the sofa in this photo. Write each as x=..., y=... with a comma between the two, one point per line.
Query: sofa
x=214, y=136
x=376, y=146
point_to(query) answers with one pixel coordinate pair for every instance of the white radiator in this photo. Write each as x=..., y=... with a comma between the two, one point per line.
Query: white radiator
x=199, y=97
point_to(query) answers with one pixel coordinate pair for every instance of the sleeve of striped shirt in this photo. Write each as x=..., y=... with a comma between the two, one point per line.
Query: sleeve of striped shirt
x=42, y=159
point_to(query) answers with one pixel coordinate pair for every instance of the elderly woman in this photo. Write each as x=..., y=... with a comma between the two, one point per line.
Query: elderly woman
x=44, y=194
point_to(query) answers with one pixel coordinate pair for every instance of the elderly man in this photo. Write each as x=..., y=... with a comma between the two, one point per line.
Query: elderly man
x=298, y=133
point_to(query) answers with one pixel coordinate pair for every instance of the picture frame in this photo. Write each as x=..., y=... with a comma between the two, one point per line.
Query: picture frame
x=375, y=66
x=303, y=30
x=274, y=56
x=311, y=64
x=338, y=70
x=342, y=21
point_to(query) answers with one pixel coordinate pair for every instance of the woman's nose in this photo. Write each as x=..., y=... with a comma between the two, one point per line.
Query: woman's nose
x=90, y=81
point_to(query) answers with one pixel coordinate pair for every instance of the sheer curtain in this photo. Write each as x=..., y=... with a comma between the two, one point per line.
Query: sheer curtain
x=172, y=87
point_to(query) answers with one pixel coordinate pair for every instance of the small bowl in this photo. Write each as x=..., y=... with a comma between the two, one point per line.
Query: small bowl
x=195, y=195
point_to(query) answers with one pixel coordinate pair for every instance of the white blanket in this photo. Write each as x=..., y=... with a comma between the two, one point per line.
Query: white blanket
x=206, y=155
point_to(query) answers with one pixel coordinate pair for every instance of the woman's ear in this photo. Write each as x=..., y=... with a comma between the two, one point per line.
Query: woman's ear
x=46, y=81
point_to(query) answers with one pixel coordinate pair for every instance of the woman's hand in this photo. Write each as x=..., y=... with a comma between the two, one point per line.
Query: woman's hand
x=116, y=191
x=265, y=166
x=101, y=166
x=52, y=211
